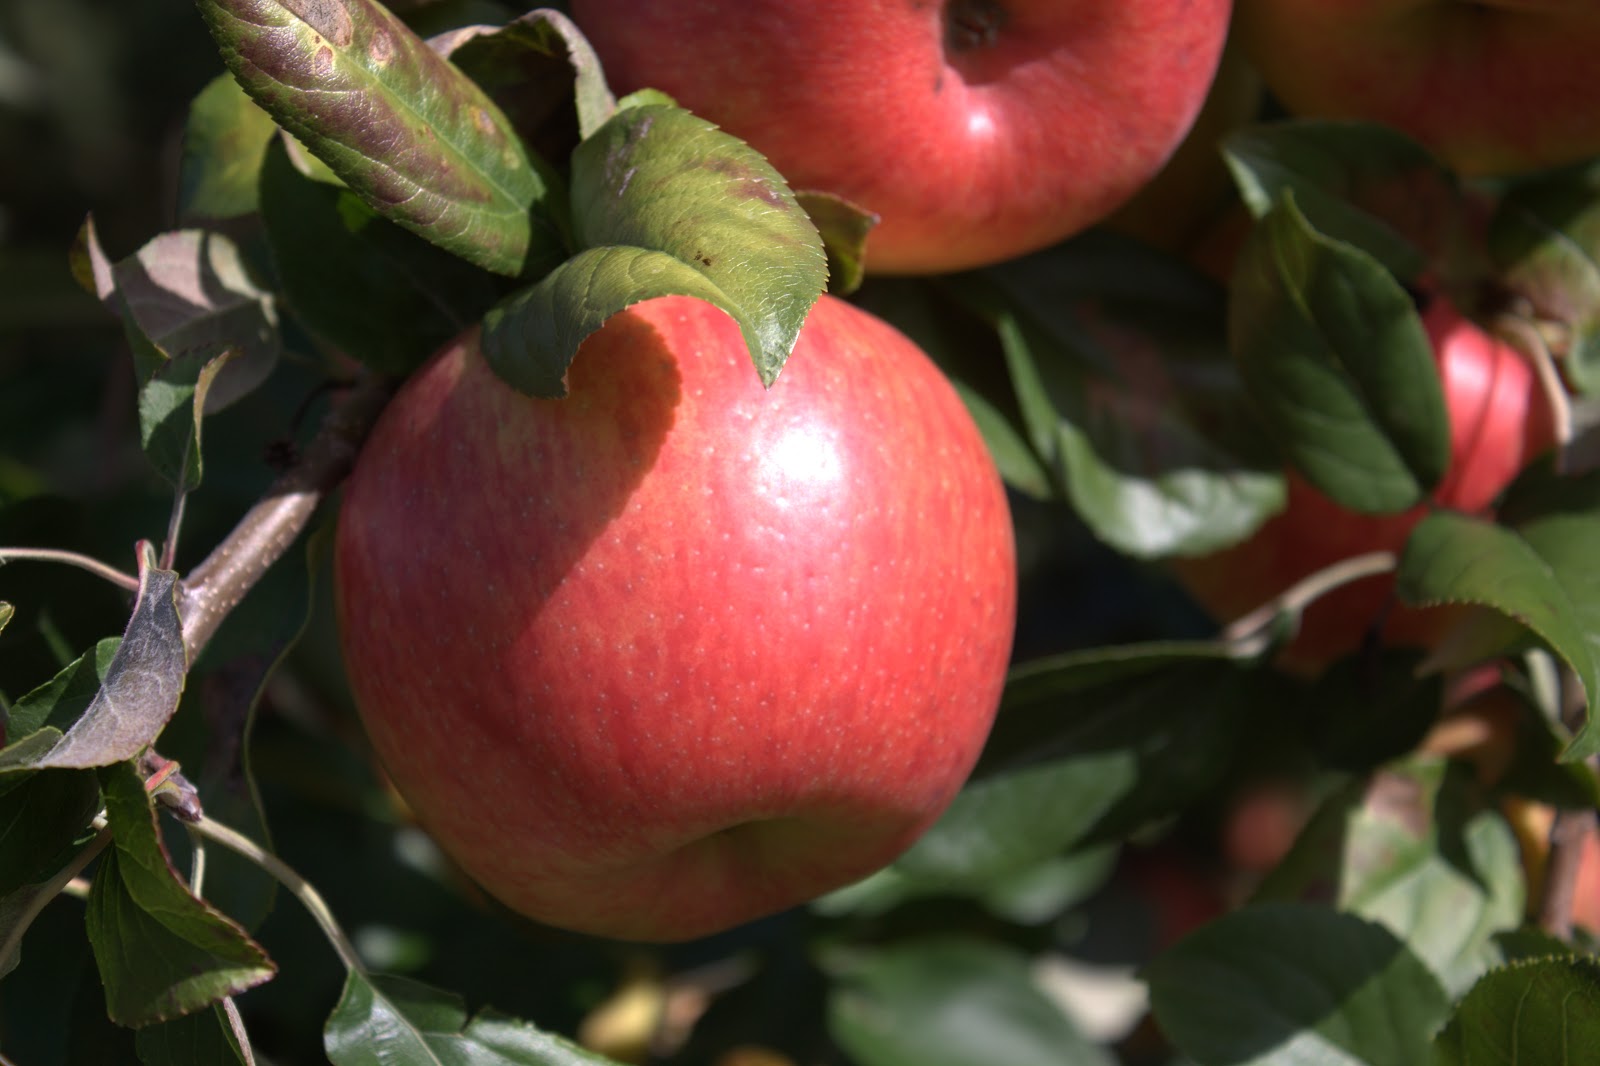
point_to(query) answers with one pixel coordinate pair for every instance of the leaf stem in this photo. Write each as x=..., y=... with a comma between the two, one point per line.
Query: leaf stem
x=298, y=886
x=236, y=1023
x=1249, y=632
x=82, y=562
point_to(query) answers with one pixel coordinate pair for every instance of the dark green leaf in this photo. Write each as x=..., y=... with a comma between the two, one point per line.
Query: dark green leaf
x=1282, y=984
x=224, y=139
x=389, y=1021
x=201, y=1039
x=1368, y=709
x=1543, y=1012
x=1367, y=185
x=171, y=413
x=952, y=1003
x=1336, y=358
x=162, y=952
x=656, y=186
x=844, y=227
x=62, y=700
x=375, y=291
x=1545, y=577
x=39, y=819
x=16, y=909
x=415, y=137
x=1018, y=463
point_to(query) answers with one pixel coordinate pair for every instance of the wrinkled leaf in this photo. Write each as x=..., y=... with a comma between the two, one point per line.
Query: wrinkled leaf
x=162, y=952
x=201, y=1039
x=844, y=227
x=389, y=1021
x=1542, y=1012
x=952, y=1003
x=666, y=203
x=1285, y=984
x=1334, y=354
x=225, y=138
x=378, y=293
x=414, y=136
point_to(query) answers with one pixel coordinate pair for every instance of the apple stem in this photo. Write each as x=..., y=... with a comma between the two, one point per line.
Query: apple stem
x=1250, y=634
x=285, y=875
x=82, y=562
x=1524, y=336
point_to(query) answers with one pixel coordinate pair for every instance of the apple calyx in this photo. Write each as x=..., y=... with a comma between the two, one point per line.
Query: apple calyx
x=973, y=24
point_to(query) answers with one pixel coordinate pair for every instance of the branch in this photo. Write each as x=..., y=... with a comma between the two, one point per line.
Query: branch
x=1569, y=832
x=216, y=585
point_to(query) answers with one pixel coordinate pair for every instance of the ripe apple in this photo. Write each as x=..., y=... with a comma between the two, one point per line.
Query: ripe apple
x=1493, y=87
x=1499, y=421
x=676, y=651
x=977, y=129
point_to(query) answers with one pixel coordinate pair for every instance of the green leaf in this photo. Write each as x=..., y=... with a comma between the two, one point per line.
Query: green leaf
x=413, y=135
x=1367, y=185
x=665, y=202
x=1019, y=465
x=171, y=412
x=378, y=293
x=162, y=951
x=1544, y=576
x=952, y=1003
x=1128, y=393
x=62, y=700
x=225, y=138
x=1285, y=984
x=1334, y=354
x=844, y=227
x=1545, y=240
x=201, y=1039
x=1543, y=1012
x=39, y=820
x=530, y=65
x=1368, y=709
x=15, y=910
x=389, y=1021
x=1410, y=850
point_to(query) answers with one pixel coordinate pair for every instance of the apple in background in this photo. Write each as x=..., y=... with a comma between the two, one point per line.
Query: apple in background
x=676, y=651
x=1492, y=87
x=1499, y=421
x=977, y=129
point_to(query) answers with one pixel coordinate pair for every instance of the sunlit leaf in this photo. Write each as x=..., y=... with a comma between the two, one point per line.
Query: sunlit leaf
x=225, y=137
x=844, y=227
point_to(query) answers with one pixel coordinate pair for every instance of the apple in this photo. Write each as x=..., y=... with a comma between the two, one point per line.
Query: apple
x=676, y=651
x=1492, y=87
x=1499, y=421
x=976, y=129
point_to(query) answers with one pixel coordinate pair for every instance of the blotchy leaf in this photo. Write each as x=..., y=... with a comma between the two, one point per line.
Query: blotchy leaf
x=225, y=137
x=142, y=683
x=1543, y=1012
x=403, y=127
x=952, y=1003
x=162, y=951
x=389, y=1021
x=1286, y=984
x=1334, y=353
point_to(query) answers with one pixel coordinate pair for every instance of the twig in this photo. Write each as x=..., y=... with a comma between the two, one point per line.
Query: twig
x=1569, y=831
x=1247, y=631
x=236, y=1023
x=1525, y=337
x=82, y=562
x=216, y=585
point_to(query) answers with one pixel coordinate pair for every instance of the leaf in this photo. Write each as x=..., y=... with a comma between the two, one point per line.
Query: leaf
x=1544, y=576
x=377, y=292
x=1334, y=354
x=844, y=227
x=415, y=137
x=1542, y=1012
x=1366, y=710
x=225, y=138
x=1019, y=465
x=162, y=951
x=40, y=817
x=389, y=1021
x=1284, y=984
x=62, y=700
x=952, y=1003
x=1411, y=851
x=1129, y=395
x=530, y=65
x=142, y=683
x=665, y=203
x=201, y=1039
x=171, y=413
x=91, y=267
x=1367, y=185
x=16, y=908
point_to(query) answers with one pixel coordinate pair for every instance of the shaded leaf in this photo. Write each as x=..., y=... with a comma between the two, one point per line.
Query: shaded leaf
x=1282, y=984
x=389, y=1021
x=61, y=701
x=15, y=910
x=91, y=267
x=1542, y=1011
x=1018, y=463
x=952, y=1003
x=172, y=412
x=1368, y=709
x=162, y=952
x=1334, y=354
x=40, y=817
x=225, y=138
x=201, y=1039
x=415, y=137
x=377, y=292
x=844, y=227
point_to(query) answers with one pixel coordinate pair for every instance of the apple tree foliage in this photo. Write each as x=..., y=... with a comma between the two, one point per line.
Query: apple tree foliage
x=361, y=184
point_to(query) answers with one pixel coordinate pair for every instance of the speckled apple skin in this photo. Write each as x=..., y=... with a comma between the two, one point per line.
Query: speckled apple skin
x=676, y=651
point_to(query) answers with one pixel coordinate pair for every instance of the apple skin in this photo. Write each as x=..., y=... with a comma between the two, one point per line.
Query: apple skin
x=676, y=652
x=977, y=129
x=1492, y=87
x=1499, y=422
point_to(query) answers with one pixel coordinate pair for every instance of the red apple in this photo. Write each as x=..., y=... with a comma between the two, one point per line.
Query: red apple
x=977, y=129
x=1493, y=86
x=677, y=651
x=1499, y=421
